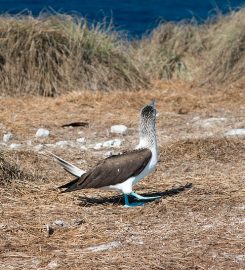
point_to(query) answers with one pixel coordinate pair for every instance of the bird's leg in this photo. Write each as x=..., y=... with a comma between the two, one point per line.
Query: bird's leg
x=127, y=204
x=139, y=197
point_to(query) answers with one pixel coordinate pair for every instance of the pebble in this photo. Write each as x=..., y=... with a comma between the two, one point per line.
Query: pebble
x=38, y=147
x=42, y=132
x=104, y=247
x=112, y=143
x=15, y=146
x=53, y=265
x=60, y=223
x=62, y=144
x=108, y=154
x=235, y=132
x=7, y=137
x=81, y=140
x=119, y=129
x=98, y=146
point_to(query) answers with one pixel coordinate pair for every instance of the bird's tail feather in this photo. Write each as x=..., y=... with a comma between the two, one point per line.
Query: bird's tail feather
x=72, y=169
x=69, y=186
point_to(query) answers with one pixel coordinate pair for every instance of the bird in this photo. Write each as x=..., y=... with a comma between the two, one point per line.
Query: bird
x=121, y=172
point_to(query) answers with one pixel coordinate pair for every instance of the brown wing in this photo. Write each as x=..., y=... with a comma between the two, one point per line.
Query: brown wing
x=113, y=170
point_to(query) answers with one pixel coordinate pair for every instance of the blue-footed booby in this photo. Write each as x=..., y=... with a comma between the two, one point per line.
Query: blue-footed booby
x=121, y=172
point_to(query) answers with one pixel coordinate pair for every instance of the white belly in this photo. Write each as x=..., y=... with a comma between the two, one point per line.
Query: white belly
x=148, y=169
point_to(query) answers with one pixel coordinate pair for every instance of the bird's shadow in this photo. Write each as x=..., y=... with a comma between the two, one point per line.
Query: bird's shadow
x=88, y=202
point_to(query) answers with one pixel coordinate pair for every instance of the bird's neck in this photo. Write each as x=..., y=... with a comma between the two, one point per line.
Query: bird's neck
x=147, y=137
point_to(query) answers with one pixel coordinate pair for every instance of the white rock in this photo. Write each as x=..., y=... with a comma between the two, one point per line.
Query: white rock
x=83, y=148
x=38, y=147
x=42, y=132
x=81, y=140
x=104, y=247
x=53, y=265
x=108, y=154
x=235, y=132
x=29, y=142
x=112, y=143
x=7, y=137
x=62, y=144
x=15, y=146
x=119, y=129
x=60, y=223
x=97, y=146
x=49, y=145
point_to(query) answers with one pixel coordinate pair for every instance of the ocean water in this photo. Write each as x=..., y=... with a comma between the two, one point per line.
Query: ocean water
x=136, y=17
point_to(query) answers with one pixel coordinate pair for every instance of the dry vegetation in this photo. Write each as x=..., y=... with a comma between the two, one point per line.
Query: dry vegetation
x=211, y=52
x=192, y=227
x=199, y=221
x=53, y=54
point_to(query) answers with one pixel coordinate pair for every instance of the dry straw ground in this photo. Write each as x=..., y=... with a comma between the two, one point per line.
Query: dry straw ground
x=198, y=226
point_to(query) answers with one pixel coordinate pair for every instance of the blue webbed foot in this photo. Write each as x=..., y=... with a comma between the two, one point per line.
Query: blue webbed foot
x=129, y=205
x=139, y=197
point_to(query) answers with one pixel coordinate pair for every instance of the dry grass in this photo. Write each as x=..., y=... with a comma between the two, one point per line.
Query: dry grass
x=197, y=228
x=52, y=54
x=210, y=52
x=201, y=227
x=11, y=171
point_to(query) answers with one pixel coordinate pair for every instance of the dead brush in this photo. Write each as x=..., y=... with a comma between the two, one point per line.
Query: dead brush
x=209, y=52
x=225, y=55
x=51, y=54
x=10, y=170
x=167, y=53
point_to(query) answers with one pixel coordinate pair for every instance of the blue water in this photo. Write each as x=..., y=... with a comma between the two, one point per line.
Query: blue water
x=133, y=16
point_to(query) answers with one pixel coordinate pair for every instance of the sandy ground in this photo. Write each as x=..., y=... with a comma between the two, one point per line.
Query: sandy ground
x=199, y=223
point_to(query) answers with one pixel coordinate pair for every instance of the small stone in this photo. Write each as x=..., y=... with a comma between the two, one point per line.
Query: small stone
x=49, y=145
x=83, y=148
x=98, y=146
x=29, y=142
x=41, y=133
x=38, y=147
x=108, y=154
x=60, y=223
x=62, y=144
x=112, y=143
x=104, y=247
x=7, y=137
x=53, y=265
x=15, y=146
x=81, y=140
x=235, y=132
x=119, y=129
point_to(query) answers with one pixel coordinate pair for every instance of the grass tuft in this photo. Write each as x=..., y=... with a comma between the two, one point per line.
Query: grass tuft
x=49, y=55
x=11, y=171
x=54, y=53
